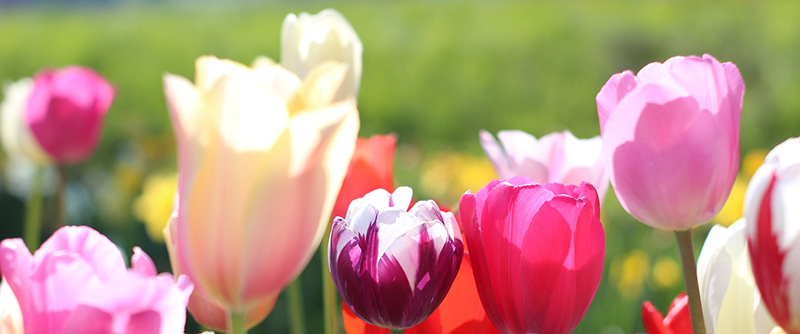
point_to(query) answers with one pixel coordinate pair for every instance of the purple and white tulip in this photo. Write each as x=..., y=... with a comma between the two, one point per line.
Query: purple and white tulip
x=394, y=267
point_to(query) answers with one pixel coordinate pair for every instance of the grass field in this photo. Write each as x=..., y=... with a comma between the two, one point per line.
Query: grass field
x=435, y=73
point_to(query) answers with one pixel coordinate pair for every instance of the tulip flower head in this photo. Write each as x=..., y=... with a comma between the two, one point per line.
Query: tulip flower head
x=671, y=139
x=77, y=282
x=309, y=40
x=261, y=158
x=57, y=116
x=677, y=321
x=537, y=252
x=731, y=302
x=393, y=266
x=773, y=233
x=556, y=157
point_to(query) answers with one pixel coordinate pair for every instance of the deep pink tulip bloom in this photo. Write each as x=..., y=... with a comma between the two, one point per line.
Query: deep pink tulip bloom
x=77, y=282
x=392, y=265
x=773, y=233
x=65, y=112
x=537, y=252
x=671, y=139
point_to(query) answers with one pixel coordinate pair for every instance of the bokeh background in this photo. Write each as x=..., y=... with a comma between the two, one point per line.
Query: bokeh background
x=435, y=73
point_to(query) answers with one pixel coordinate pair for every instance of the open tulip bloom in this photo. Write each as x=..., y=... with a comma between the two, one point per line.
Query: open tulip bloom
x=537, y=252
x=77, y=282
x=393, y=266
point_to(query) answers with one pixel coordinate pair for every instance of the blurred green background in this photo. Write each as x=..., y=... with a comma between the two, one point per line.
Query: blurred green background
x=435, y=73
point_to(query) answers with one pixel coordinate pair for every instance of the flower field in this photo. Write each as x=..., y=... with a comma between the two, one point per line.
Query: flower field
x=435, y=73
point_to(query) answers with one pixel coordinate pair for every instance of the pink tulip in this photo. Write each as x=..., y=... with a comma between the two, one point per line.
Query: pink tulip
x=773, y=233
x=77, y=282
x=557, y=157
x=537, y=252
x=58, y=116
x=671, y=139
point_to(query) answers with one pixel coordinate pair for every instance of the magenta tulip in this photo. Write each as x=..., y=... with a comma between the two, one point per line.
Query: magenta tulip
x=393, y=266
x=671, y=139
x=77, y=282
x=58, y=116
x=773, y=233
x=537, y=252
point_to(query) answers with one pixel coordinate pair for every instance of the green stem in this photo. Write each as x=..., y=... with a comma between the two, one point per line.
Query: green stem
x=690, y=278
x=397, y=331
x=329, y=293
x=33, y=211
x=295, y=296
x=237, y=322
x=60, y=210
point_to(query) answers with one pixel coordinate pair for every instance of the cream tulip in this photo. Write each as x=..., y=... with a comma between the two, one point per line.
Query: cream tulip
x=261, y=156
x=731, y=301
x=309, y=40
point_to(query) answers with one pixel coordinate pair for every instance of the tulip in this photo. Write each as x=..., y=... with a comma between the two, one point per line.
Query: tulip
x=309, y=40
x=77, y=282
x=261, y=158
x=460, y=312
x=671, y=139
x=731, y=303
x=773, y=231
x=10, y=314
x=57, y=116
x=537, y=252
x=557, y=157
x=394, y=267
x=370, y=169
x=677, y=321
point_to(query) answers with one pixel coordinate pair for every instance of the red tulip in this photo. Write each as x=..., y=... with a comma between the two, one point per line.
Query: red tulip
x=678, y=320
x=370, y=169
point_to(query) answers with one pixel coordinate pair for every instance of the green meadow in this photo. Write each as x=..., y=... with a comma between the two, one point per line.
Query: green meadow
x=435, y=73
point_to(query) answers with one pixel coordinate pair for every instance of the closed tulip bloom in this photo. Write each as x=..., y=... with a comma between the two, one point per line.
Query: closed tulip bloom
x=773, y=233
x=261, y=157
x=77, y=282
x=557, y=157
x=309, y=40
x=57, y=116
x=677, y=321
x=671, y=139
x=370, y=169
x=537, y=252
x=393, y=266
x=731, y=302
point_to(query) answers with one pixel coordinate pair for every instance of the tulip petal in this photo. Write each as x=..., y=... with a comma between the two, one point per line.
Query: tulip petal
x=612, y=92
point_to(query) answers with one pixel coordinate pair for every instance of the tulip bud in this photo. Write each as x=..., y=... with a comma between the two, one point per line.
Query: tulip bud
x=537, y=252
x=557, y=157
x=393, y=267
x=773, y=232
x=57, y=116
x=309, y=40
x=671, y=139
